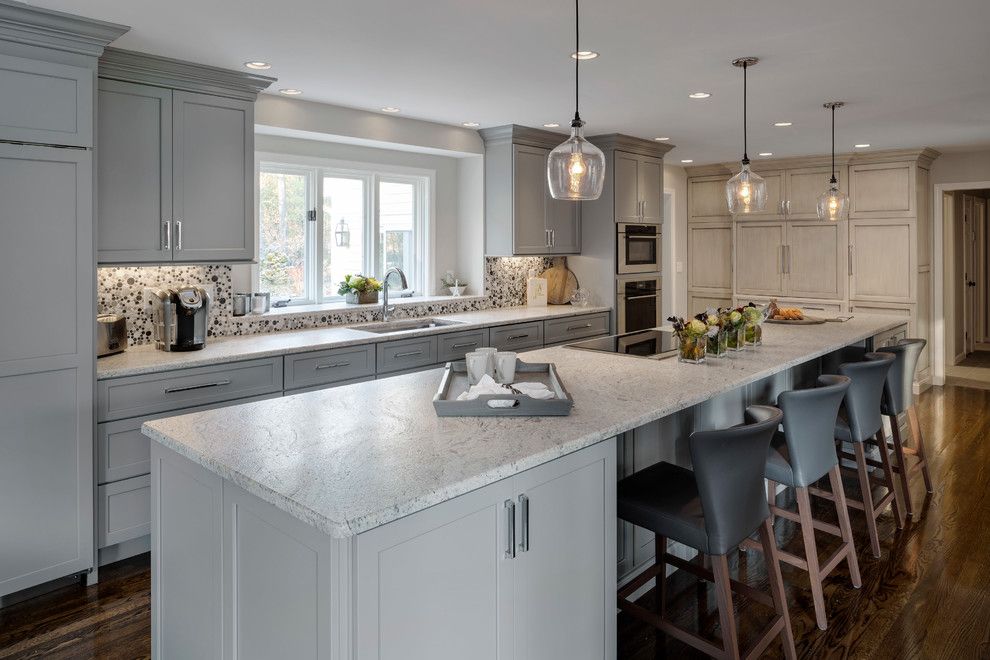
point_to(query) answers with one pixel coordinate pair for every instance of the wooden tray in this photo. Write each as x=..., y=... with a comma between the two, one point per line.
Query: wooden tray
x=807, y=320
x=455, y=381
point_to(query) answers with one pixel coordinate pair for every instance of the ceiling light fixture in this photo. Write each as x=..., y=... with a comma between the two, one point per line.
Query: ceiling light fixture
x=258, y=65
x=584, y=55
x=661, y=139
x=699, y=95
x=576, y=168
x=782, y=124
x=862, y=146
x=746, y=191
x=551, y=125
x=766, y=153
x=390, y=109
x=471, y=124
x=686, y=160
x=833, y=204
x=290, y=91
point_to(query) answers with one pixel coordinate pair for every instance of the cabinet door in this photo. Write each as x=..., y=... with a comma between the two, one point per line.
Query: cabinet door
x=699, y=302
x=651, y=188
x=45, y=102
x=804, y=186
x=706, y=199
x=775, y=197
x=529, y=200
x=882, y=260
x=710, y=256
x=882, y=190
x=564, y=219
x=134, y=173
x=564, y=584
x=626, y=177
x=759, y=258
x=816, y=259
x=212, y=178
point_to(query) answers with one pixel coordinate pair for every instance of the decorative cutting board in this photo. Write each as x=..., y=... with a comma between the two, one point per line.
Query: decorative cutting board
x=561, y=282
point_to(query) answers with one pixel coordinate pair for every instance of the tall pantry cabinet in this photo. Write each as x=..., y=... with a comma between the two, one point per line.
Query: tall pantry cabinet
x=48, y=64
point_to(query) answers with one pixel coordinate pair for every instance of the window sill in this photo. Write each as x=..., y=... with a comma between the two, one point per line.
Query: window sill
x=296, y=310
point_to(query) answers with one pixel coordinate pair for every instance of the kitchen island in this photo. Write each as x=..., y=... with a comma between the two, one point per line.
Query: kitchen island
x=355, y=523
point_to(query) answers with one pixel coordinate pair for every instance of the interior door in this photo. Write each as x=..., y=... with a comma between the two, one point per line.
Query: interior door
x=982, y=275
x=969, y=273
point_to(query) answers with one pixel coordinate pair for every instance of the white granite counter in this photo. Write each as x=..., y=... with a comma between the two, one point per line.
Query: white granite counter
x=350, y=459
x=146, y=359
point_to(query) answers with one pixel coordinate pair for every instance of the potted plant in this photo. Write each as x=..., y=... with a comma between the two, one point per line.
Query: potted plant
x=718, y=336
x=735, y=327
x=692, y=337
x=358, y=289
x=454, y=284
x=753, y=317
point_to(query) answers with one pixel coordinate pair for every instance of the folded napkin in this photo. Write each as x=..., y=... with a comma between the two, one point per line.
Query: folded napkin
x=488, y=386
x=535, y=390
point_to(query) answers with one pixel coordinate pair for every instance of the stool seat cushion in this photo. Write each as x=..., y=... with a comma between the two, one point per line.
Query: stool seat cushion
x=664, y=499
x=778, y=463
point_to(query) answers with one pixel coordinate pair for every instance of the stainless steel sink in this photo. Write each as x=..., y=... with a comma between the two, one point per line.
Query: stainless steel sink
x=405, y=325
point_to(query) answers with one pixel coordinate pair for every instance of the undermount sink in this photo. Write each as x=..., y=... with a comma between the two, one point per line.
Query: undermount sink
x=404, y=325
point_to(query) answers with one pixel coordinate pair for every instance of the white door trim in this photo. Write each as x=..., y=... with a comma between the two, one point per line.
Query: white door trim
x=938, y=279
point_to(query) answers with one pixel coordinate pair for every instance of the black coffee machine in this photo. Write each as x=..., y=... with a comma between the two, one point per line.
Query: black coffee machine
x=180, y=317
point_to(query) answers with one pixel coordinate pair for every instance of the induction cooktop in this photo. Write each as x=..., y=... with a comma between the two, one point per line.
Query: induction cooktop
x=655, y=343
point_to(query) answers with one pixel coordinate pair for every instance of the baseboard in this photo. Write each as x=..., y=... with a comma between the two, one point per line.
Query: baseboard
x=959, y=358
x=124, y=550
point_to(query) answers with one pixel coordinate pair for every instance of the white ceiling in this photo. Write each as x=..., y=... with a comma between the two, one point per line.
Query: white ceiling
x=913, y=72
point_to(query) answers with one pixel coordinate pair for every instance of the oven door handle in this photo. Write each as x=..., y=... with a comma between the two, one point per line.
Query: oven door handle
x=651, y=295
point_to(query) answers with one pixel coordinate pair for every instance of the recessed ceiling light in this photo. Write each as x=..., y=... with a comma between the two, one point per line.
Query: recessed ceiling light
x=551, y=125
x=389, y=108
x=471, y=124
x=862, y=146
x=699, y=95
x=584, y=55
x=258, y=65
x=766, y=153
x=661, y=139
x=781, y=124
x=687, y=160
x=290, y=91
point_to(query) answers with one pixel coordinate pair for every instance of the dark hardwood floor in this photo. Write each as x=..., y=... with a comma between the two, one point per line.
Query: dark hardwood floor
x=928, y=596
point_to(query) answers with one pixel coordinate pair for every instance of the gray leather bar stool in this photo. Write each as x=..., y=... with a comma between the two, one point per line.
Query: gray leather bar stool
x=712, y=509
x=861, y=423
x=899, y=398
x=799, y=456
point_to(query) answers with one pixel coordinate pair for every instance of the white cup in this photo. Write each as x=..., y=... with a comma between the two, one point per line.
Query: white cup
x=477, y=365
x=505, y=367
x=490, y=352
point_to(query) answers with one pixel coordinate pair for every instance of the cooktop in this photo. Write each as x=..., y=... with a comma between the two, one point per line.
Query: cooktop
x=655, y=343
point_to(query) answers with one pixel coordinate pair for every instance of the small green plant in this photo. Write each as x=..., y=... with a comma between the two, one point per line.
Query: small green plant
x=358, y=284
x=450, y=279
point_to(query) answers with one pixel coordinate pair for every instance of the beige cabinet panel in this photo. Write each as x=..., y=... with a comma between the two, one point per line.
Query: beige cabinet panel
x=882, y=190
x=925, y=229
x=804, y=186
x=759, y=258
x=710, y=256
x=882, y=260
x=811, y=307
x=815, y=259
x=775, y=196
x=699, y=302
x=706, y=199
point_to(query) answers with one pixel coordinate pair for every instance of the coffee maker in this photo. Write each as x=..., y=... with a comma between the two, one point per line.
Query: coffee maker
x=180, y=317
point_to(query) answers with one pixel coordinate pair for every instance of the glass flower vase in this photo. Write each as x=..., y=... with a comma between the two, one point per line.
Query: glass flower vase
x=718, y=344
x=736, y=338
x=753, y=334
x=692, y=349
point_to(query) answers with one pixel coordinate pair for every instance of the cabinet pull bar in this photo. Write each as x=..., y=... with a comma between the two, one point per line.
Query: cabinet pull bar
x=172, y=390
x=514, y=337
x=524, y=535
x=178, y=234
x=850, y=260
x=510, y=529
x=581, y=327
x=167, y=241
x=465, y=344
x=332, y=365
x=788, y=259
x=650, y=295
x=408, y=354
x=553, y=237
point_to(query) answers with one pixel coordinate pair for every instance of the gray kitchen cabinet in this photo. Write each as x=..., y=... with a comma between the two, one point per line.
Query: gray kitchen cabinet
x=406, y=354
x=455, y=345
x=45, y=102
x=517, y=336
x=573, y=328
x=638, y=188
x=329, y=367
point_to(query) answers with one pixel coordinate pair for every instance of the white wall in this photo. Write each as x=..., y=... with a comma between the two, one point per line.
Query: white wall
x=675, y=283
x=471, y=222
x=960, y=167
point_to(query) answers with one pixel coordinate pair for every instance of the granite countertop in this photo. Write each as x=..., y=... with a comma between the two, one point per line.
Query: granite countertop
x=146, y=359
x=332, y=461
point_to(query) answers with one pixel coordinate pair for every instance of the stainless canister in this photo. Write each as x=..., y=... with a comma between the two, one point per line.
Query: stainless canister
x=262, y=303
x=242, y=304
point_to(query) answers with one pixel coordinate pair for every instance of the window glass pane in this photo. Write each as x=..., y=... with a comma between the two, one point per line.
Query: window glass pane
x=282, y=241
x=343, y=244
x=396, y=220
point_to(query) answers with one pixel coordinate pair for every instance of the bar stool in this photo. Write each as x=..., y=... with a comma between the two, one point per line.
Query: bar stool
x=712, y=510
x=899, y=398
x=863, y=422
x=799, y=457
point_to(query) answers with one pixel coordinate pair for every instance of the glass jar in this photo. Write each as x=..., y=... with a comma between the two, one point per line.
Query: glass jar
x=718, y=344
x=754, y=334
x=692, y=349
x=736, y=338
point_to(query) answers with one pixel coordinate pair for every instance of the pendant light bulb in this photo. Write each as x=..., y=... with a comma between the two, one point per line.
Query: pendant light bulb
x=833, y=204
x=576, y=168
x=746, y=192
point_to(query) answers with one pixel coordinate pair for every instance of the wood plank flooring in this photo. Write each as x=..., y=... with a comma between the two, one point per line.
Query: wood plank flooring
x=928, y=596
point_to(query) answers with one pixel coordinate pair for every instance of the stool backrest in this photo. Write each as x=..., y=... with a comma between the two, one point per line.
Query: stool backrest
x=728, y=468
x=899, y=390
x=865, y=393
x=809, y=427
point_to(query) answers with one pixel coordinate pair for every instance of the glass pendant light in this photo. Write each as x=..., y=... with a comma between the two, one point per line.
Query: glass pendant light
x=576, y=168
x=746, y=192
x=833, y=204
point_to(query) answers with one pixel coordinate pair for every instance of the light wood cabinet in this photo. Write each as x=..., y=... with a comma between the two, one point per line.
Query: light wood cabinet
x=760, y=257
x=710, y=257
x=776, y=197
x=882, y=190
x=882, y=260
x=804, y=186
x=706, y=199
x=814, y=260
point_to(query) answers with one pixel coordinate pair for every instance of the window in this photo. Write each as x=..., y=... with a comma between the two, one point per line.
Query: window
x=366, y=221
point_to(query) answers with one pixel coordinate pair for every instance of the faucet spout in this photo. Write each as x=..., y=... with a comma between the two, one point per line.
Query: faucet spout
x=386, y=309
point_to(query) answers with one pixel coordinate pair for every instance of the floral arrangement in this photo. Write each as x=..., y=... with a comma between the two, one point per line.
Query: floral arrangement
x=358, y=284
x=691, y=329
x=692, y=336
x=450, y=279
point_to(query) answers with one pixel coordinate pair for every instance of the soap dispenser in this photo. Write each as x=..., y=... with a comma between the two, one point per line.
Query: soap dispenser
x=536, y=290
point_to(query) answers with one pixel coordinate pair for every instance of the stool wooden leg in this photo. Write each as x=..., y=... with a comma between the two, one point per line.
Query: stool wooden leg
x=919, y=441
x=811, y=556
x=771, y=496
x=888, y=474
x=726, y=613
x=777, y=587
x=903, y=471
x=661, y=551
x=864, y=484
x=845, y=528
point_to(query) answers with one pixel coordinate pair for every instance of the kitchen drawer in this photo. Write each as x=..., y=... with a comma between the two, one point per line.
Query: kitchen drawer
x=413, y=370
x=124, y=511
x=575, y=327
x=146, y=394
x=122, y=451
x=326, y=386
x=406, y=354
x=454, y=346
x=517, y=336
x=321, y=368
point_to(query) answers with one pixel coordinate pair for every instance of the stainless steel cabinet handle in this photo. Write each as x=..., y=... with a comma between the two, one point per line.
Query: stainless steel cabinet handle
x=652, y=295
x=408, y=354
x=782, y=260
x=514, y=337
x=524, y=536
x=579, y=327
x=172, y=390
x=178, y=234
x=788, y=248
x=643, y=212
x=332, y=365
x=510, y=529
x=548, y=236
x=850, y=260
x=553, y=237
x=465, y=344
x=167, y=232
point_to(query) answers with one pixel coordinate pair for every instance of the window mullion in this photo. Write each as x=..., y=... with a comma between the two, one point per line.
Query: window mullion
x=316, y=270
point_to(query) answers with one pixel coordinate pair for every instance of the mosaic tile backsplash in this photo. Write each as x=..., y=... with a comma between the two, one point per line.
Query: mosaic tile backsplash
x=120, y=290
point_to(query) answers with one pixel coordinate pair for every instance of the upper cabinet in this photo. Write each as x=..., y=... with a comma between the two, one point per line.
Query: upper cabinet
x=706, y=199
x=521, y=218
x=175, y=161
x=638, y=188
x=45, y=102
x=882, y=190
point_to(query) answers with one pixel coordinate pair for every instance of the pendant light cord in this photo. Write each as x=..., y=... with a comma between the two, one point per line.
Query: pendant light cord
x=833, y=179
x=745, y=159
x=577, y=61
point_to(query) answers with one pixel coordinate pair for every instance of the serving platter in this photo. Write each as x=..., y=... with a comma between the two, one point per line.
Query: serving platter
x=807, y=320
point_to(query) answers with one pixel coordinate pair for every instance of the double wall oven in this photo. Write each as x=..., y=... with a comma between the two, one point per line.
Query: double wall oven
x=637, y=265
x=638, y=248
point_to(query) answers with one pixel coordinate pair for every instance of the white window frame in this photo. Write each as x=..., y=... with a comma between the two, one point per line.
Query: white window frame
x=424, y=181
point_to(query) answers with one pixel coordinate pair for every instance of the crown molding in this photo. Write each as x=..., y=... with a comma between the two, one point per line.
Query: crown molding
x=524, y=135
x=630, y=144
x=923, y=156
x=44, y=28
x=130, y=66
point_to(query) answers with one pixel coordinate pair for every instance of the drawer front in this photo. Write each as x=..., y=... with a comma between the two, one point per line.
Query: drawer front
x=575, y=327
x=122, y=451
x=455, y=345
x=413, y=370
x=124, y=510
x=131, y=396
x=326, y=386
x=406, y=354
x=517, y=336
x=321, y=368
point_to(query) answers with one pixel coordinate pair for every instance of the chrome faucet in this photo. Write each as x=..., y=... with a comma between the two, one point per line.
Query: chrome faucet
x=386, y=310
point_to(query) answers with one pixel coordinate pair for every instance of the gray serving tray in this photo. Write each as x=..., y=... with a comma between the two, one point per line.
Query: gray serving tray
x=455, y=381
